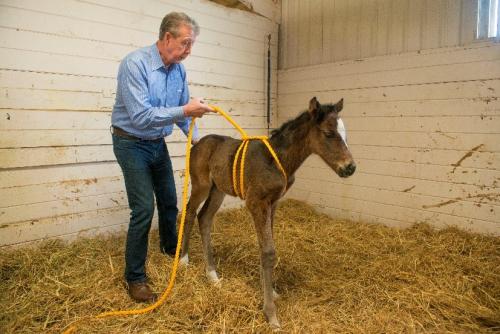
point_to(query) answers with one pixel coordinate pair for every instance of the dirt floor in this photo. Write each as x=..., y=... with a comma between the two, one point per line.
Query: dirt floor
x=333, y=277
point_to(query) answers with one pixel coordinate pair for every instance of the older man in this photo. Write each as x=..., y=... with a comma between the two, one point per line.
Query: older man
x=152, y=95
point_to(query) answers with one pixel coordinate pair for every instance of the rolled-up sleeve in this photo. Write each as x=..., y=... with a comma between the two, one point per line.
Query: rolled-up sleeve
x=133, y=87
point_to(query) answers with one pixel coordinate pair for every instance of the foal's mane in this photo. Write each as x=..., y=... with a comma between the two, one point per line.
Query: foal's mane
x=302, y=119
x=295, y=128
x=292, y=125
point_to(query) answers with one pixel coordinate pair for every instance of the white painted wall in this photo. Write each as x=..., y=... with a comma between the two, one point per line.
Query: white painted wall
x=58, y=174
x=323, y=31
x=424, y=129
x=411, y=117
x=421, y=108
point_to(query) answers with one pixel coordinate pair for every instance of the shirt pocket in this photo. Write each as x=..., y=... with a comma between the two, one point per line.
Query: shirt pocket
x=178, y=95
x=175, y=89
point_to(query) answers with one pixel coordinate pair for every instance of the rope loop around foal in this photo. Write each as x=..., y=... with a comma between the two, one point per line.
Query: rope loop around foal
x=239, y=159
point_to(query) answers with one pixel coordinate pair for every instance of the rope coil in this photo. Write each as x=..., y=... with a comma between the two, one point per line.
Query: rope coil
x=240, y=156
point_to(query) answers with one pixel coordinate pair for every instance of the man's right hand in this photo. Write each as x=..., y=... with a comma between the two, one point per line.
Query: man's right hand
x=196, y=108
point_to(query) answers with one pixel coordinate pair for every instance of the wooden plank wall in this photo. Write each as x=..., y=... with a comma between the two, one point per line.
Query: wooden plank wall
x=323, y=31
x=424, y=129
x=58, y=174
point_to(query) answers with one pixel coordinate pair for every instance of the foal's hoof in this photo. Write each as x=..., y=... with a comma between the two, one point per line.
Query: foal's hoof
x=184, y=261
x=274, y=324
x=272, y=319
x=213, y=277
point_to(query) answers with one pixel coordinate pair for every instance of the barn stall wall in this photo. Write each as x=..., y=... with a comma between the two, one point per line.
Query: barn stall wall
x=58, y=174
x=421, y=109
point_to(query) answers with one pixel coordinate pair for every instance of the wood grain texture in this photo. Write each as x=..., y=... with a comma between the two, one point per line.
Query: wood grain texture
x=58, y=174
x=357, y=29
x=424, y=130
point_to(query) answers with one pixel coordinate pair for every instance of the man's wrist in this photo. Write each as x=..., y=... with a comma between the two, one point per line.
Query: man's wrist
x=177, y=113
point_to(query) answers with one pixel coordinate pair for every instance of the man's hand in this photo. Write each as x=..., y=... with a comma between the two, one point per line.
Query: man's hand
x=196, y=108
x=194, y=141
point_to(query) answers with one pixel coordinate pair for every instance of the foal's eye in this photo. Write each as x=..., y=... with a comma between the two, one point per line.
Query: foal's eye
x=329, y=134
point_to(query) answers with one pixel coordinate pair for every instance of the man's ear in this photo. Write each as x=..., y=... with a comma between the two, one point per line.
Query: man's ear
x=314, y=106
x=168, y=36
x=339, y=105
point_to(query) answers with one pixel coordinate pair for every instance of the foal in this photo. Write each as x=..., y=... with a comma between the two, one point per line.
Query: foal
x=318, y=130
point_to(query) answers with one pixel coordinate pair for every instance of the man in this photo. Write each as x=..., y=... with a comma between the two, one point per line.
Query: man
x=152, y=95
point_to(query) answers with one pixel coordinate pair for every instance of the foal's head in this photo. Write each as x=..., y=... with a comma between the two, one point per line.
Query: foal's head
x=328, y=139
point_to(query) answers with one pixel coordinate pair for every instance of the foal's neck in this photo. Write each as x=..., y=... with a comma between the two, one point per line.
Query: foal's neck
x=292, y=147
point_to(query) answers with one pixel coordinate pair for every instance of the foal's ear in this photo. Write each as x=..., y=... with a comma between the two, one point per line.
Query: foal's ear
x=339, y=105
x=314, y=106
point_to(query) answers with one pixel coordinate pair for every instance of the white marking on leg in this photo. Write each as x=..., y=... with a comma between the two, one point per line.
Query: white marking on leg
x=275, y=324
x=184, y=261
x=213, y=277
x=275, y=295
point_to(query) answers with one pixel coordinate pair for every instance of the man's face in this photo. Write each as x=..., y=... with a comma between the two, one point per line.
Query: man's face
x=176, y=49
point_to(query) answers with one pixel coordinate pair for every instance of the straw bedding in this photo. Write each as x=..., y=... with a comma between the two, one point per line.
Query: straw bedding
x=333, y=277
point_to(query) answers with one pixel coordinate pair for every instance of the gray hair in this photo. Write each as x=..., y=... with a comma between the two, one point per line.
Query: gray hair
x=172, y=22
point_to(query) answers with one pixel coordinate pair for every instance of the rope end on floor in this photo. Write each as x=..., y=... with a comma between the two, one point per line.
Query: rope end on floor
x=70, y=330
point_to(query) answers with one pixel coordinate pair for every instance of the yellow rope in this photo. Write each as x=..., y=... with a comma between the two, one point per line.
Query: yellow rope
x=241, y=159
x=242, y=168
x=235, y=168
x=173, y=273
x=244, y=145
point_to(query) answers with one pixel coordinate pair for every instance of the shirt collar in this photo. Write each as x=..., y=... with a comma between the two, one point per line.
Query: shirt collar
x=156, y=61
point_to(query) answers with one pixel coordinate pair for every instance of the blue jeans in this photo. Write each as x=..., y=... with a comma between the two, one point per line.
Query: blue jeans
x=147, y=170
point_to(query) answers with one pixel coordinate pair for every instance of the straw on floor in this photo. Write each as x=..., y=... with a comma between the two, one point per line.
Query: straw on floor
x=333, y=277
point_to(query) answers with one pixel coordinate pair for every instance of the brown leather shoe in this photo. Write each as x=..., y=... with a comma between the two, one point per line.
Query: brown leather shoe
x=141, y=292
x=170, y=252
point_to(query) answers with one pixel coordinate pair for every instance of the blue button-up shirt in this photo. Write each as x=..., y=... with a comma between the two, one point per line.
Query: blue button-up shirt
x=150, y=96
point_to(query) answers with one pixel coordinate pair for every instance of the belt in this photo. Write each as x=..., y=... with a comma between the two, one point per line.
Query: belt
x=124, y=134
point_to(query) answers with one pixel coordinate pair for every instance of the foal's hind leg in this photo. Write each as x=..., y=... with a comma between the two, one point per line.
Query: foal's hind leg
x=199, y=193
x=205, y=220
x=261, y=213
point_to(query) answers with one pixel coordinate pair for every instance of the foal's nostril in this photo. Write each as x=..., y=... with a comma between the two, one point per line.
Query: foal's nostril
x=351, y=168
x=348, y=170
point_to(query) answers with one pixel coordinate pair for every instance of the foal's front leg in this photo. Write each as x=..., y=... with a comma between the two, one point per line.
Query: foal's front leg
x=273, y=210
x=262, y=216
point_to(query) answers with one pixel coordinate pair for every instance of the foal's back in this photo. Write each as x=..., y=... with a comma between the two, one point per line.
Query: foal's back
x=212, y=162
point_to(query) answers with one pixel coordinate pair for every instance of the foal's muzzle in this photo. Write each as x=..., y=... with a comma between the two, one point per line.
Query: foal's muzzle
x=347, y=170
